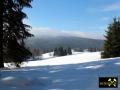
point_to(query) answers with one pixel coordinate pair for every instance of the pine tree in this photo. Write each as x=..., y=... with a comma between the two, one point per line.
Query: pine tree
x=69, y=51
x=112, y=43
x=55, y=52
x=61, y=51
x=15, y=31
x=64, y=52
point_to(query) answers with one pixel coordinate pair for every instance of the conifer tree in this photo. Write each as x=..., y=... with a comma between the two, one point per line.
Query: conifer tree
x=55, y=52
x=69, y=51
x=112, y=42
x=64, y=52
x=15, y=31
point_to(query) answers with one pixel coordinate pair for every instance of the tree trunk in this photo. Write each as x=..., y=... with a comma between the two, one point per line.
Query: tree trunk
x=1, y=53
x=1, y=39
x=1, y=65
x=1, y=60
x=1, y=57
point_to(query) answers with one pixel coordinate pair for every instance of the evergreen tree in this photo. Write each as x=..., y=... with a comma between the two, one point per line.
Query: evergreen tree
x=112, y=43
x=64, y=52
x=69, y=51
x=55, y=52
x=60, y=51
x=15, y=31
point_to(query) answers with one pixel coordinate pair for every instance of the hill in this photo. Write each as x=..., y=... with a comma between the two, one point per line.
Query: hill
x=64, y=41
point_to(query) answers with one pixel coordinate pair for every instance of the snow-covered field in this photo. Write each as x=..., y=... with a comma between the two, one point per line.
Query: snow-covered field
x=70, y=59
x=80, y=71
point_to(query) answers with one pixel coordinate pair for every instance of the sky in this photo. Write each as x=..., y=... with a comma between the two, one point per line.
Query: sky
x=72, y=16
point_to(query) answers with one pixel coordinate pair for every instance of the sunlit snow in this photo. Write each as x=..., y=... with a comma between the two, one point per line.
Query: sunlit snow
x=80, y=71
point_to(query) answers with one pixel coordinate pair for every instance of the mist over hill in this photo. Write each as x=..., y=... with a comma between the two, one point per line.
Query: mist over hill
x=46, y=38
x=64, y=41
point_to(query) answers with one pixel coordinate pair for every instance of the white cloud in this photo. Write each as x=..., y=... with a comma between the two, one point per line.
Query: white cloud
x=112, y=7
x=44, y=32
x=106, y=8
x=105, y=18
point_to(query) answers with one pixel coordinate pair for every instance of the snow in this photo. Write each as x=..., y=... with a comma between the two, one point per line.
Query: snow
x=7, y=78
x=47, y=55
x=94, y=66
x=74, y=72
x=70, y=59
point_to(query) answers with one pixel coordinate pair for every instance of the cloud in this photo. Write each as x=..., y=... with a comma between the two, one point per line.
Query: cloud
x=112, y=7
x=106, y=8
x=105, y=18
x=44, y=32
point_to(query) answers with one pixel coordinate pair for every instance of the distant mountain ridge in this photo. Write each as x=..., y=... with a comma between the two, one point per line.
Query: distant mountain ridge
x=64, y=41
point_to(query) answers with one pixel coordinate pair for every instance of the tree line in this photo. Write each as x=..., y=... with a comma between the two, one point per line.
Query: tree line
x=62, y=51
